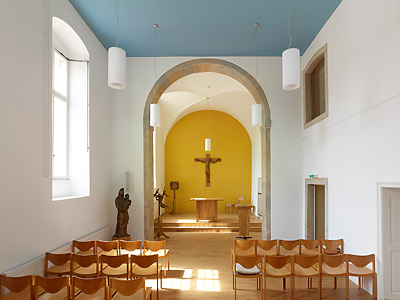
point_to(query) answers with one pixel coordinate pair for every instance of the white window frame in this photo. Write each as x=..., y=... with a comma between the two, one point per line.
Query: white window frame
x=66, y=100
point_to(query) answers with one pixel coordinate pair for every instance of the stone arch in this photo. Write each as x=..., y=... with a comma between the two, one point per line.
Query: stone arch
x=248, y=81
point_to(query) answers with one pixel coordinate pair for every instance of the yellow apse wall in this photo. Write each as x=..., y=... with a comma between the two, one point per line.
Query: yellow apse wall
x=230, y=178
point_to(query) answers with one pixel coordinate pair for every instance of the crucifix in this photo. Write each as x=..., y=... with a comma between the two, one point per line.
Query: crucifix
x=207, y=162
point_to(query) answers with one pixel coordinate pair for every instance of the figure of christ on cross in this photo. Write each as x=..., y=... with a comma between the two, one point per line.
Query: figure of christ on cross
x=207, y=162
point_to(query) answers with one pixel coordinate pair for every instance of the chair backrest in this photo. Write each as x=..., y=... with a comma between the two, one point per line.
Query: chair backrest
x=127, y=287
x=84, y=246
x=57, y=259
x=334, y=261
x=106, y=245
x=114, y=261
x=130, y=245
x=144, y=261
x=332, y=246
x=89, y=286
x=306, y=261
x=310, y=247
x=17, y=284
x=154, y=245
x=244, y=247
x=249, y=261
x=289, y=247
x=362, y=261
x=266, y=245
x=52, y=285
x=278, y=262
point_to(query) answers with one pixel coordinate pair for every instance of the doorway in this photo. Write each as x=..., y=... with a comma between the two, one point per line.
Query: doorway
x=316, y=208
x=389, y=242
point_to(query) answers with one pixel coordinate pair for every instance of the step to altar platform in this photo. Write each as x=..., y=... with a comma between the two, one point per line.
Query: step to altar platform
x=186, y=222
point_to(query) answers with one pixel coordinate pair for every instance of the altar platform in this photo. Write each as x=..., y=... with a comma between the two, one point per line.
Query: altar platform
x=186, y=222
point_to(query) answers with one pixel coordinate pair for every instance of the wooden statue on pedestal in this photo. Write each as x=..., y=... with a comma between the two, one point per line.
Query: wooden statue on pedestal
x=122, y=205
x=174, y=185
x=160, y=197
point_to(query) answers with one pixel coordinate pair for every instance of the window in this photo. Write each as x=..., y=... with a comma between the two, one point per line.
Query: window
x=70, y=114
x=315, y=89
x=60, y=116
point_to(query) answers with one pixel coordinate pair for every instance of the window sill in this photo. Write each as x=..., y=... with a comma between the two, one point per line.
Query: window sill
x=69, y=197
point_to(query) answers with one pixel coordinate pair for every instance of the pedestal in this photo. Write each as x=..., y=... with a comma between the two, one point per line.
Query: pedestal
x=122, y=238
x=244, y=219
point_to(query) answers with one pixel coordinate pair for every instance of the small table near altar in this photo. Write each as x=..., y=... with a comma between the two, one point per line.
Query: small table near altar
x=207, y=208
x=244, y=219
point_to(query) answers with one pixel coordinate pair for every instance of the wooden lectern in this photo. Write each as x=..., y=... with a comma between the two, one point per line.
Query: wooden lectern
x=244, y=220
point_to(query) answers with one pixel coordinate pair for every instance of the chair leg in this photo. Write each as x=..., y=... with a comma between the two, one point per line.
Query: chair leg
x=335, y=282
x=284, y=283
x=347, y=279
x=374, y=286
x=293, y=286
x=161, y=275
x=320, y=287
x=311, y=282
x=234, y=284
x=168, y=260
x=359, y=283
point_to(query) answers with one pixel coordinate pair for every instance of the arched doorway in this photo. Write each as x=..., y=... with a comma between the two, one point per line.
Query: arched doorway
x=248, y=81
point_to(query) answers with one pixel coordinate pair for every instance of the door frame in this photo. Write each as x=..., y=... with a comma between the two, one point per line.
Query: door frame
x=380, y=269
x=310, y=207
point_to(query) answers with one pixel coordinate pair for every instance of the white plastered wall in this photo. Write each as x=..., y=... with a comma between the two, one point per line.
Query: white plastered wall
x=286, y=139
x=30, y=222
x=357, y=146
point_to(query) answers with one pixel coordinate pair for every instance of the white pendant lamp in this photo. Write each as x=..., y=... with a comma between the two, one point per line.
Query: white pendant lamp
x=155, y=115
x=116, y=68
x=256, y=115
x=207, y=144
x=291, y=69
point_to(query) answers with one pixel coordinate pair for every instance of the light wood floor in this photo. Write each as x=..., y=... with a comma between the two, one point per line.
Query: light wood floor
x=191, y=218
x=200, y=269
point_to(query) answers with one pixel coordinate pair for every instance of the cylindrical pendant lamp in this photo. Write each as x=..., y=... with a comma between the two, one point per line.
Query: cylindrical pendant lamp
x=291, y=69
x=155, y=115
x=256, y=115
x=116, y=68
x=207, y=144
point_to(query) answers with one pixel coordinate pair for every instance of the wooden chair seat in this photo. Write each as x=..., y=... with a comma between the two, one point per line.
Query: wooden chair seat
x=306, y=272
x=357, y=271
x=111, y=252
x=139, y=271
x=333, y=271
x=271, y=251
x=88, y=252
x=134, y=252
x=294, y=251
x=137, y=296
x=305, y=251
x=99, y=295
x=160, y=253
x=60, y=295
x=252, y=271
x=61, y=269
x=283, y=272
x=86, y=271
x=120, y=271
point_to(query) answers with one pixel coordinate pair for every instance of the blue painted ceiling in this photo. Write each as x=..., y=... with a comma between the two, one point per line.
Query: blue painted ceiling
x=206, y=27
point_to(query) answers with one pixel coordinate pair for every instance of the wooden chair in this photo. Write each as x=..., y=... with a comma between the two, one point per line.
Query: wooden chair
x=88, y=265
x=90, y=288
x=357, y=266
x=332, y=246
x=135, y=288
x=310, y=247
x=107, y=247
x=334, y=266
x=278, y=267
x=289, y=247
x=308, y=267
x=243, y=247
x=61, y=264
x=56, y=288
x=130, y=247
x=267, y=247
x=159, y=248
x=84, y=247
x=248, y=266
x=21, y=287
x=117, y=265
x=144, y=266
